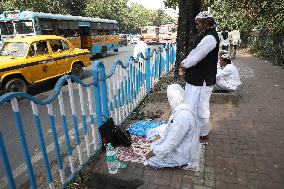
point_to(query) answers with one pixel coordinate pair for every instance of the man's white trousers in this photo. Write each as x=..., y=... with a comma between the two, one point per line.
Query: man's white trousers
x=198, y=99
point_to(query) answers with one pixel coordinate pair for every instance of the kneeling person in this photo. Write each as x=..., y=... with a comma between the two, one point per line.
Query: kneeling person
x=177, y=142
x=227, y=77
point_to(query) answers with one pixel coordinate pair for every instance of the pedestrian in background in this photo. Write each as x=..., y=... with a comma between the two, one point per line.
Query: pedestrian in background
x=200, y=68
x=225, y=39
x=235, y=40
x=140, y=47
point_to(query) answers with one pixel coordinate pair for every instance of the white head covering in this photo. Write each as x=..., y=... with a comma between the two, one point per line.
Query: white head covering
x=204, y=14
x=223, y=52
x=176, y=95
x=225, y=56
x=177, y=99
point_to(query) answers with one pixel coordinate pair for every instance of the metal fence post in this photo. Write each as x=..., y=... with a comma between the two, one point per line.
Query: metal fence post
x=6, y=164
x=167, y=58
x=97, y=96
x=148, y=71
x=22, y=136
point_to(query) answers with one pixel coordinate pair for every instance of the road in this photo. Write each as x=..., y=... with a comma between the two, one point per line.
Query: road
x=42, y=91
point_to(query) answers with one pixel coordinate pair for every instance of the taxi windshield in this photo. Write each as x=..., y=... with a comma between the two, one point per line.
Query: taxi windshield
x=16, y=49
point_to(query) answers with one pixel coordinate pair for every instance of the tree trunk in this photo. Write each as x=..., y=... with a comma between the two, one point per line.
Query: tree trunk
x=186, y=31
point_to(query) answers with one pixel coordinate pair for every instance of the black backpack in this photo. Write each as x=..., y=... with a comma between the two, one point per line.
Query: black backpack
x=113, y=134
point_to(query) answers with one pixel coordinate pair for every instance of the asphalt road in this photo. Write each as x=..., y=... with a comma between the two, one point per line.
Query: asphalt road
x=42, y=91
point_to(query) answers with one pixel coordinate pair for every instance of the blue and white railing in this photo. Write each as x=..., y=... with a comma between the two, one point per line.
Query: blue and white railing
x=75, y=132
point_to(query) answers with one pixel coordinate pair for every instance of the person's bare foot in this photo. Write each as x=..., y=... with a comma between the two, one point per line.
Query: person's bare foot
x=204, y=139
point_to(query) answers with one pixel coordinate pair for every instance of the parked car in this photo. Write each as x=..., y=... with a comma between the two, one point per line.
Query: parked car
x=135, y=39
x=31, y=59
x=123, y=40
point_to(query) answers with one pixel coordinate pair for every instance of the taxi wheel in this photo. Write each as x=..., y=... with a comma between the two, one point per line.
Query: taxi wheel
x=15, y=85
x=77, y=70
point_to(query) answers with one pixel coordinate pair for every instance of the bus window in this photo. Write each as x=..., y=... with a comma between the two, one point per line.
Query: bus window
x=46, y=24
x=47, y=32
x=84, y=31
x=105, y=32
x=100, y=32
x=111, y=32
x=99, y=25
x=62, y=24
x=7, y=28
x=63, y=28
x=104, y=26
x=110, y=26
x=73, y=25
x=94, y=32
x=74, y=33
x=24, y=27
x=116, y=26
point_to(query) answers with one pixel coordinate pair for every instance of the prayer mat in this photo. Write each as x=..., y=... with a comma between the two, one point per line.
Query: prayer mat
x=140, y=146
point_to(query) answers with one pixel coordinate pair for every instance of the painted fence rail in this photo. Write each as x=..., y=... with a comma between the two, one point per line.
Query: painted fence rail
x=73, y=138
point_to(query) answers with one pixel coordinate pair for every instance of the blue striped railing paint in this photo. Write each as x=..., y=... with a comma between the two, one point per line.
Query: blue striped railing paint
x=110, y=96
x=6, y=164
x=56, y=143
x=42, y=144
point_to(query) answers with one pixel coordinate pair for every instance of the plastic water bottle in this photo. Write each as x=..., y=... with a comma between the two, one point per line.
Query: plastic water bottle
x=111, y=159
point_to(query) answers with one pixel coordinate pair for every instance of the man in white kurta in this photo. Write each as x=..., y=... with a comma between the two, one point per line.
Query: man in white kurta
x=235, y=40
x=200, y=68
x=225, y=42
x=177, y=142
x=227, y=77
x=140, y=47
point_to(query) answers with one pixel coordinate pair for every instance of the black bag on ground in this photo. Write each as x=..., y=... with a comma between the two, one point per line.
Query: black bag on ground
x=113, y=134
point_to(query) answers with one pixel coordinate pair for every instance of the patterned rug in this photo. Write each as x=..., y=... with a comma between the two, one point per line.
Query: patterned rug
x=136, y=152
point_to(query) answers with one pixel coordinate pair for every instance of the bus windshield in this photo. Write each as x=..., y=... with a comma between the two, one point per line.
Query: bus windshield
x=164, y=30
x=7, y=28
x=144, y=31
x=24, y=27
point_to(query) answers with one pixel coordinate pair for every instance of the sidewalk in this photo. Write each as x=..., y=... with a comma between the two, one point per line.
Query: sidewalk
x=245, y=147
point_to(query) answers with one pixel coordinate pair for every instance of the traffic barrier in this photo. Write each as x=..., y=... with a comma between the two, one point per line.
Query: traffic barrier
x=115, y=94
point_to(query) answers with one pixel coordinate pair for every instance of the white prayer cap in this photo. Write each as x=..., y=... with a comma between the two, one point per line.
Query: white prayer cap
x=204, y=14
x=176, y=95
x=223, y=52
x=225, y=56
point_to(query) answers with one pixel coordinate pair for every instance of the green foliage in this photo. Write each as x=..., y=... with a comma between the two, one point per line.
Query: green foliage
x=260, y=22
x=131, y=18
x=161, y=18
x=171, y=3
x=52, y=6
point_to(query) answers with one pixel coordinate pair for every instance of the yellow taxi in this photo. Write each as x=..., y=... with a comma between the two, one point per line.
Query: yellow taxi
x=25, y=60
